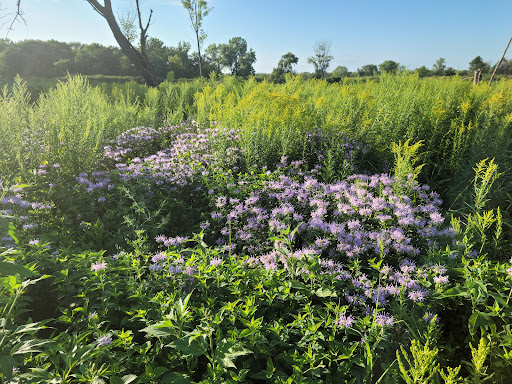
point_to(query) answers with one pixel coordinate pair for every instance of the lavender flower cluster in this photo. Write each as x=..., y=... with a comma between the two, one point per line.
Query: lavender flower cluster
x=351, y=218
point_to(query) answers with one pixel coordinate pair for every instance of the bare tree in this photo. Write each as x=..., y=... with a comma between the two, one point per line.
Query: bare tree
x=137, y=56
x=18, y=17
x=197, y=10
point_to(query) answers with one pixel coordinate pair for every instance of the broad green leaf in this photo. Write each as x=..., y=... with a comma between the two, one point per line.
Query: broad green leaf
x=28, y=328
x=11, y=269
x=162, y=329
x=480, y=320
x=7, y=363
x=176, y=378
x=28, y=347
x=297, y=285
x=4, y=223
x=12, y=232
x=227, y=351
x=191, y=345
x=499, y=299
x=455, y=291
x=325, y=292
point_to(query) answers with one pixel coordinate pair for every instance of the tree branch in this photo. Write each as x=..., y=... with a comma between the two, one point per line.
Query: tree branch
x=97, y=7
x=17, y=17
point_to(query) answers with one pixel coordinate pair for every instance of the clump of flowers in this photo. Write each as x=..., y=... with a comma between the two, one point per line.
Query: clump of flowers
x=361, y=216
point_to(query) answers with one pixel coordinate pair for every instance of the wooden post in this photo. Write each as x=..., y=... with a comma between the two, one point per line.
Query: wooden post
x=499, y=62
x=477, y=76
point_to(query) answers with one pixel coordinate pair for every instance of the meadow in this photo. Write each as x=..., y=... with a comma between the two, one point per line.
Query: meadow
x=236, y=231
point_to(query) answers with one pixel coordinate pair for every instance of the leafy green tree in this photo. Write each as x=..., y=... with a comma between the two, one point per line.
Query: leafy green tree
x=450, y=71
x=213, y=58
x=181, y=62
x=96, y=59
x=341, y=71
x=197, y=11
x=423, y=71
x=389, y=66
x=284, y=66
x=478, y=63
x=34, y=58
x=505, y=67
x=237, y=58
x=439, y=67
x=321, y=58
x=368, y=70
x=158, y=55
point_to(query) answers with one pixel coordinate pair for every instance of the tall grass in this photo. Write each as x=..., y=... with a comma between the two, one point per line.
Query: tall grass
x=459, y=125
x=72, y=122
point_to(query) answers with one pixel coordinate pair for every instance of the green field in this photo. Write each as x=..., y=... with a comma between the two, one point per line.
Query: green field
x=229, y=230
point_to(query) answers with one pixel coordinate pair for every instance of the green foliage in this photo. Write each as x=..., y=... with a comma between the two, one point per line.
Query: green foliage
x=209, y=314
x=236, y=57
x=284, y=67
x=477, y=224
x=439, y=67
x=423, y=366
x=406, y=158
x=478, y=63
x=321, y=58
x=197, y=11
x=477, y=366
x=389, y=66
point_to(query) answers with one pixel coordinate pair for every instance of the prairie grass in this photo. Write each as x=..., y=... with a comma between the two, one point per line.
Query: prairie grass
x=458, y=124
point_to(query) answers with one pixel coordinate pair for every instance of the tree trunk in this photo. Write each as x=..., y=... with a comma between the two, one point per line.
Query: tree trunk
x=138, y=59
x=199, y=52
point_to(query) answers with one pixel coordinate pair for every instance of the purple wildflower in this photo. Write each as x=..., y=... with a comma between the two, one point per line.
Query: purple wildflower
x=441, y=279
x=158, y=257
x=384, y=320
x=99, y=267
x=417, y=295
x=344, y=321
x=216, y=261
x=104, y=340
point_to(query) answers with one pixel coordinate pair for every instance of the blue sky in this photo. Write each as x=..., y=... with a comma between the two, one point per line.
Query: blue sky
x=413, y=33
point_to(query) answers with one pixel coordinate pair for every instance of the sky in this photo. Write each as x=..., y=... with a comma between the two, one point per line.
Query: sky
x=412, y=33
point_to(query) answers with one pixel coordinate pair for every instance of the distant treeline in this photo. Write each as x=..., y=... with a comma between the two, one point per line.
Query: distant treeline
x=52, y=59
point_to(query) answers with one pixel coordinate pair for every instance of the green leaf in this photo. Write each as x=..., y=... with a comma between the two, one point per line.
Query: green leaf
x=479, y=319
x=7, y=363
x=227, y=351
x=29, y=328
x=176, y=378
x=11, y=269
x=127, y=379
x=4, y=223
x=297, y=285
x=325, y=292
x=28, y=347
x=12, y=232
x=269, y=372
x=455, y=291
x=191, y=345
x=162, y=329
x=499, y=298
